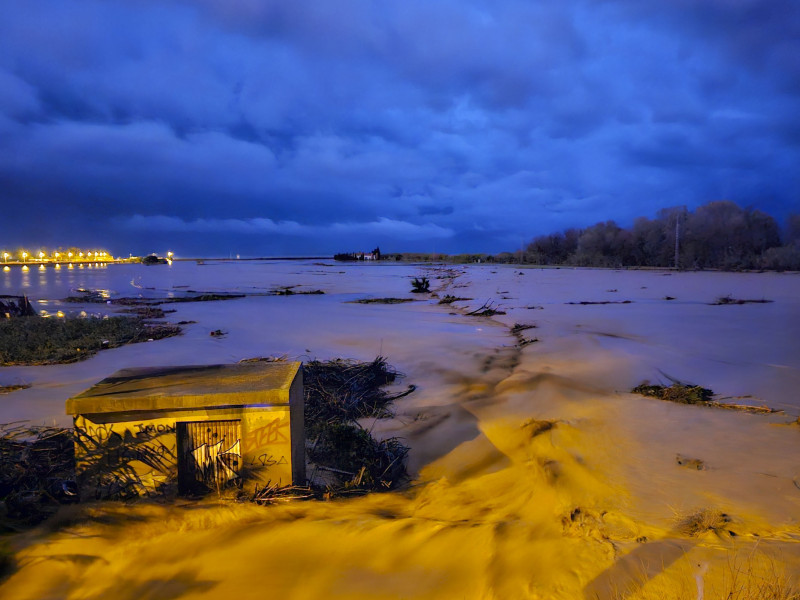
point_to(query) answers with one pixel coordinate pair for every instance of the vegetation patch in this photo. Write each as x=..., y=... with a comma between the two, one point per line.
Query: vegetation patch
x=695, y=394
x=41, y=341
x=588, y=302
x=7, y=389
x=99, y=297
x=449, y=299
x=383, y=300
x=288, y=291
x=677, y=392
x=697, y=523
x=725, y=300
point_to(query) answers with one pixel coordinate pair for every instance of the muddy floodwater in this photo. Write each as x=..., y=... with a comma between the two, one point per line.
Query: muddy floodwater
x=536, y=474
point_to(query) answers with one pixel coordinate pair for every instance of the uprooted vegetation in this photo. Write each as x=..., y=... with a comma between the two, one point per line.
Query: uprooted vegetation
x=42, y=341
x=487, y=309
x=36, y=471
x=677, y=392
x=338, y=393
x=420, y=285
x=695, y=394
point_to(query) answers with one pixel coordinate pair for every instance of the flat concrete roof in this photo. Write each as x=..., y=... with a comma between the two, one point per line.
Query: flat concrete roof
x=209, y=386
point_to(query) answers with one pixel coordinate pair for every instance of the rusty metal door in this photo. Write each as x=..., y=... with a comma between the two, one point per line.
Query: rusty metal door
x=209, y=455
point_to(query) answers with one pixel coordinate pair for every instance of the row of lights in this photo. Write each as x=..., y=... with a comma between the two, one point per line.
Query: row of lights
x=57, y=266
x=59, y=256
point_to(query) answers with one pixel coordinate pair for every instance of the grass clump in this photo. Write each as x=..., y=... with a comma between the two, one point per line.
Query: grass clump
x=677, y=392
x=701, y=521
x=41, y=341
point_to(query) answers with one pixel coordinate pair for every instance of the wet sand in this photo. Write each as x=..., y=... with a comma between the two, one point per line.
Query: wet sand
x=536, y=473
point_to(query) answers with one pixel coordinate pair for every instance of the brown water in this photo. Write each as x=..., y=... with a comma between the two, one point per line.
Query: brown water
x=502, y=505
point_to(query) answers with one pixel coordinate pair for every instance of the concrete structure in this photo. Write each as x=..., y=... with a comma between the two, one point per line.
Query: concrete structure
x=158, y=430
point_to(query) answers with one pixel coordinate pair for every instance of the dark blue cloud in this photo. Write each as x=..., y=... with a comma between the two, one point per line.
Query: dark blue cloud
x=457, y=125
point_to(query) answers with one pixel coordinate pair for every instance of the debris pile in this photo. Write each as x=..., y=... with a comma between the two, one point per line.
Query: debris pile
x=337, y=394
x=37, y=472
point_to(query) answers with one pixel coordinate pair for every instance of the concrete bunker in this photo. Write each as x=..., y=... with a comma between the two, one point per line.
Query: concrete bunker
x=189, y=429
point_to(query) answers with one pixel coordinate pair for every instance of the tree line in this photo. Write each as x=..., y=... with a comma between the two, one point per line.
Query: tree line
x=717, y=235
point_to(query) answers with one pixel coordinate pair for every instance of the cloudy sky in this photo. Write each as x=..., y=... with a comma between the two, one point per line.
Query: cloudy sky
x=275, y=127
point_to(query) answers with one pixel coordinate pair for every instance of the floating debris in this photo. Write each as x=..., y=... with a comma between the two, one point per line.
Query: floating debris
x=589, y=302
x=383, y=300
x=725, y=300
x=690, y=463
x=449, y=299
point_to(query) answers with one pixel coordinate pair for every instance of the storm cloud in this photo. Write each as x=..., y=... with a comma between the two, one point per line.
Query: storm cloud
x=274, y=127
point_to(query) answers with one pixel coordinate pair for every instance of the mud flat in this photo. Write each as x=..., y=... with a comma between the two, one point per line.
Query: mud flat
x=535, y=472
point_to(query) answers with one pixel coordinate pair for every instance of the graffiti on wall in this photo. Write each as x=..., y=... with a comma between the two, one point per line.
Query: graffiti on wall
x=274, y=432
x=125, y=461
x=216, y=464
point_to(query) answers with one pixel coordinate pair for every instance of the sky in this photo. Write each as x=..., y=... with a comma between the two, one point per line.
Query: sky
x=274, y=128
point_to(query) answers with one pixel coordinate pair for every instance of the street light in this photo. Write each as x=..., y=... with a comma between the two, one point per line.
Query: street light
x=24, y=255
x=41, y=255
x=5, y=256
